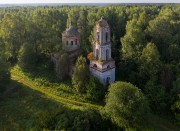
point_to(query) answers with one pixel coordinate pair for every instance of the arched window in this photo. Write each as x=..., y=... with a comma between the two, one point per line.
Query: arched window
x=71, y=42
x=95, y=65
x=106, y=36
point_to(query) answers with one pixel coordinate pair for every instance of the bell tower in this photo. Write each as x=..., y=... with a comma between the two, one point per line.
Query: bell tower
x=102, y=66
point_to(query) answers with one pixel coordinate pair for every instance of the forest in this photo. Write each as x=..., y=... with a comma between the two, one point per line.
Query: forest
x=146, y=49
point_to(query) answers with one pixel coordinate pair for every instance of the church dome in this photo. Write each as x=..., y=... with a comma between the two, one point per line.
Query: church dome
x=71, y=31
x=102, y=23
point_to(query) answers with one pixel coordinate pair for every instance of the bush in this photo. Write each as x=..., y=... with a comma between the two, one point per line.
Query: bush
x=67, y=119
x=95, y=90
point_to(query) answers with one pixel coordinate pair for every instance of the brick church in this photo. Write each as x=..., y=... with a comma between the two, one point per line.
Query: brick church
x=102, y=65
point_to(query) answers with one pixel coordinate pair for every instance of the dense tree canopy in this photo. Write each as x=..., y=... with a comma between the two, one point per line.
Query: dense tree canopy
x=150, y=62
x=27, y=57
x=125, y=104
x=4, y=72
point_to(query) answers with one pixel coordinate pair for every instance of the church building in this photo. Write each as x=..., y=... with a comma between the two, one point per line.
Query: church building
x=71, y=42
x=70, y=45
x=103, y=65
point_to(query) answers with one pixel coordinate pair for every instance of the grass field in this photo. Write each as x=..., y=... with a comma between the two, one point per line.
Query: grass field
x=20, y=106
x=62, y=92
x=25, y=99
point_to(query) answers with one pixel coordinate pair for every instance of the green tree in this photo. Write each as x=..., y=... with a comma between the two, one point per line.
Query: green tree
x=133, y=41
x=167, y=75
x=95, y=90
x=125, y=104
x=163, y=31
x=4, y=72
x=80, y=76
x=27, y=57
x=150, y=62
x=175, y=97
x=176, y=110
x=12, y=29
x=62, y=66
x=157, y=97
x=83, y=29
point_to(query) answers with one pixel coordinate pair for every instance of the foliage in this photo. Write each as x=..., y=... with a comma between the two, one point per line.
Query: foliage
x=126, y=105
x=4, y=73
x=90, y=56
x=66, y=119
x=133, y=41
x=27, y=57
x=175, y=107
x=81, y=75
x=26, y=108
x=150, y=62
x=157, y=97
x=95, y=90
x=163, y=32
x=176, y=110
x=61, y=91
x=145, y=44
x=12, y=30
x=62, y=66
x=167, y=76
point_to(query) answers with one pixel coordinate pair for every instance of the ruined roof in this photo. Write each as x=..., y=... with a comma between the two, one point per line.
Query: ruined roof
x=102, y=23
x=71, y=31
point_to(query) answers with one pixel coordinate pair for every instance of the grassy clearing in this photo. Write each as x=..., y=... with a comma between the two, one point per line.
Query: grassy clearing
x=23, y=108
x=27, y=98
x=20, y=106
x=60, y=92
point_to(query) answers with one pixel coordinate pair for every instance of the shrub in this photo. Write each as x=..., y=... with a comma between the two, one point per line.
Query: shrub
x=95, y=90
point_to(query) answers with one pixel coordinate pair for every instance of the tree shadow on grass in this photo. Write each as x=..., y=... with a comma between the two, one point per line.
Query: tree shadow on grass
x=23, y=108
x=47, y=73
x=20, y=106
